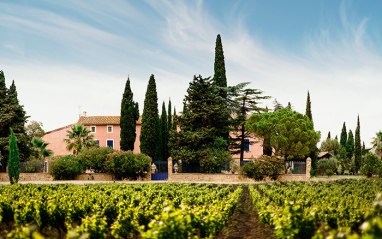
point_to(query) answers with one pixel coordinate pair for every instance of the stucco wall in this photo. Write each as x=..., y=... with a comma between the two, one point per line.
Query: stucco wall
x=28, y=177
x=102, y=135
x=56, y=142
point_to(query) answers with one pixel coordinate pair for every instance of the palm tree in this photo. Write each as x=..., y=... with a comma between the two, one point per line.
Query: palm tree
x=79, y=138
x=40, y=145
x=377, y=143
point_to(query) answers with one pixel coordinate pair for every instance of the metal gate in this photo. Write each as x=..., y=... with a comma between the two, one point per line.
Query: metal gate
x=160, y=171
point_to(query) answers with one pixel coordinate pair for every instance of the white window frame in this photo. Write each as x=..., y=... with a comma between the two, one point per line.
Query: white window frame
x=110, y=140
x=95, y=129
x=107, y=129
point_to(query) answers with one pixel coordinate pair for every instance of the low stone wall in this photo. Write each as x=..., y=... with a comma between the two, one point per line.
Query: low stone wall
x=220, y=177
x=28, y=177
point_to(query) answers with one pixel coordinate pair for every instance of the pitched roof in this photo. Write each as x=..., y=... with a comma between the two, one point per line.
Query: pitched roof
x=102, y=120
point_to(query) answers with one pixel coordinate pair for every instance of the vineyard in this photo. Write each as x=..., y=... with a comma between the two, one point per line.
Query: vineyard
x=341, y=209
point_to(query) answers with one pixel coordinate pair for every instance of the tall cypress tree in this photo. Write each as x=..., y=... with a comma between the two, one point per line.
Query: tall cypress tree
x=129, y=117
x=175, y=121
x=328, y=135
x=267, y=148
x=165, y=133
x=357, y=147
x=350, y=145
x=343, y=137
x=308, y=111
x=220, y=81
x=159, y=142
x=150, y=116
x=169, y=117
x=14, y=160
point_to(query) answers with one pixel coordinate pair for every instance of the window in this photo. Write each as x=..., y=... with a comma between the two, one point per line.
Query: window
x=246, y=145
x=110, y=143
x=97, y=141
x=110, y=129
x=92, y=129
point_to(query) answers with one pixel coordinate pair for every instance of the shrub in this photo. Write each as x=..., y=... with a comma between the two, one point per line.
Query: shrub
x=372, y=165
x=126, y=164
x=64, y=167
x=95, y=158
x=270, y=166
x=327, y=166
x=215, y=161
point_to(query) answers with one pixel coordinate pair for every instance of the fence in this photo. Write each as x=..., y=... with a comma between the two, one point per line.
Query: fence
x=33, y=167
x=296, y=167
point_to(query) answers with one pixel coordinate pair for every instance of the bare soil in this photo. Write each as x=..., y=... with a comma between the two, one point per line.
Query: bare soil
x=245, y=222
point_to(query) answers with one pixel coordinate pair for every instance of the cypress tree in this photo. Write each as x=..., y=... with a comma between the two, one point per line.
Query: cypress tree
x=308, y=111
x=267, y=148
x=363, y=149
x=336, y=138
x=350, y=145
x=328, y=135
x=169, y=117
x=289, y=106
x=165, y=133
x=159, y=142
x=175, y=121
x=343, y=137
x=150, y=116
x=357, y=147
x=219, y=66
x=129, y=117
x=14, y=160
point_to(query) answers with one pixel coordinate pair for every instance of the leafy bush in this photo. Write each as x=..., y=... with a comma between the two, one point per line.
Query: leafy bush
x=215, y=161
x=64, y=167
x=270, y=166
x=372, y=165
x=327, y=166
x=95, y=158
x=126, y=164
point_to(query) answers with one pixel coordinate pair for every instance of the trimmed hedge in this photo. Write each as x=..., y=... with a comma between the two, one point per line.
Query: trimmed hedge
x=95, y=158
x=65, y=167
x=126, y=164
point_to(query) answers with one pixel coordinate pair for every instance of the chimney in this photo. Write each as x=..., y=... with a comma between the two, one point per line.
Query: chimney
x=84, y=114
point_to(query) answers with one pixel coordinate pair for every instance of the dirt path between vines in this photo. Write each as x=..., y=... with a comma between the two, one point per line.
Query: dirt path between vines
x=245, y=223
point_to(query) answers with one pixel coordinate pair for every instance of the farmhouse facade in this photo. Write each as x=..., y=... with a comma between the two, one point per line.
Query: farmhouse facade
x=106, y=131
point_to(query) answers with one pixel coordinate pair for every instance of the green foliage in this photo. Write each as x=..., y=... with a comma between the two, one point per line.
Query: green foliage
x=129, y=117
x=330, y=145
x=79, y=138
x=92, y=227
x=12, y=115
x=126, y=164
x=270, y=166
x=165, y=133
x=372, y=165
x=40, y=146
x=292, y=135
x=220, y=78
x=344, y=135
x=308, y=111
x=215, y=161
x=198, y=122
x=350, y=145
x=159, y=142
x=14, y=160
x=169, y=121
x=357, y=147
x=327, y=166
x=34, y=129
x=95, y=158
x=149, y=128
x=377, y=143
x=65, y=167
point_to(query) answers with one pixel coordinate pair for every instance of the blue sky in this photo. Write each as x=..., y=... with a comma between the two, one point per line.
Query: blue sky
x=71, y=56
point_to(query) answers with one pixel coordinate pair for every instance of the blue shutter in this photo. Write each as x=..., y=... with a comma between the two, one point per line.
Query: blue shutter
x=246, y=144
x=109, y=143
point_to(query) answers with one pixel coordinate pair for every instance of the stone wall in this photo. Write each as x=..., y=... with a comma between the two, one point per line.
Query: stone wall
x=28, y=177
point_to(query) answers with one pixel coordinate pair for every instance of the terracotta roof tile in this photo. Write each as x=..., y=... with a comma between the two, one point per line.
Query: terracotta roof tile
x=102, y=120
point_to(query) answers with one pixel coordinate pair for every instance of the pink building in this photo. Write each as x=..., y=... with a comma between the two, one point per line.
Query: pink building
x=106, y=131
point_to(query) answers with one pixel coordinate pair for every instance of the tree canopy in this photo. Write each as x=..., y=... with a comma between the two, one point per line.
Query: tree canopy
x=79, y=138
x=292, y=134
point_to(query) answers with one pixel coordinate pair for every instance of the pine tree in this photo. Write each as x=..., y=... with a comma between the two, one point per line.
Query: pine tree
x=343, y=137
x=308, y=111
x=350, y=145
x=328, y=135
x=129, y=117
x=169, y=117
x=267, y=148
x=357, y=147
x=14, y=160
x=165, y=133
x=159, y=142
x=150, y=116
x=277, y=106
x=289, y=106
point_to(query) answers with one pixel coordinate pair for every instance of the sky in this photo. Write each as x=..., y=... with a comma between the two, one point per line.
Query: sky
x=70, y=56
